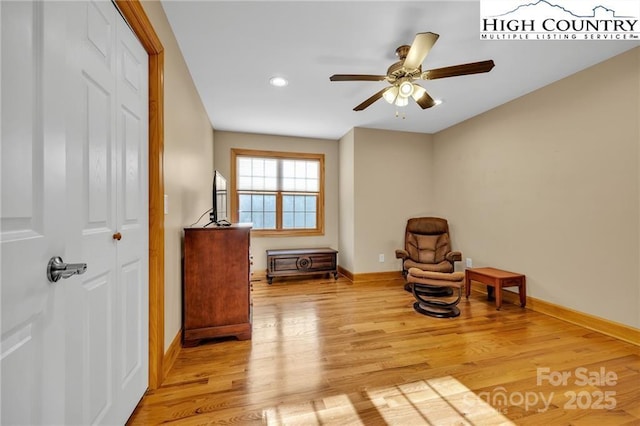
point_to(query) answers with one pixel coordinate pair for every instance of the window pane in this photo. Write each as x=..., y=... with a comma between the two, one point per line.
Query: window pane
x=310, y=203
x=244, y=167
x=299, y=211
x=312, y=169
x=288, y=184
x=245, y=202
x=257, y=167
x=288, y=168
x=257, y=220
x=313, y=185
x=301, y=169
x=244, y=182
x=287, y=203
x=310, y=220
x=269, y=203
x=271, y=184
x=270, y=220
x=257, y=203
x=260, y=209
x=271, y=168
x=257, y=183
x=287, y=220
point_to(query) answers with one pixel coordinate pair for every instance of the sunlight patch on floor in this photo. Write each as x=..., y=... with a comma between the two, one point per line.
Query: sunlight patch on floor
x=443, y=400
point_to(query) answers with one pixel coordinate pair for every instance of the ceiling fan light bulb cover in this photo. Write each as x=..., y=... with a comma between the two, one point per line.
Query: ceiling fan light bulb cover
x=406, y=89
x=400, y=101
x=390, y=94
x=418, y=92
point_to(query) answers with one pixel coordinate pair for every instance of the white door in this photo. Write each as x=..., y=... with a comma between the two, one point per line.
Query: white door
x=32, y=215
x=99, y=335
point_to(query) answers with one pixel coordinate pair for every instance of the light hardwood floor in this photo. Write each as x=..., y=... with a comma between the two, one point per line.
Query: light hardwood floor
x=328, y=352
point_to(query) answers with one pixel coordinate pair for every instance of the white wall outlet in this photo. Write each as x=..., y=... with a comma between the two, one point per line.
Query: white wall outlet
x=469, y=262
x=381, y=258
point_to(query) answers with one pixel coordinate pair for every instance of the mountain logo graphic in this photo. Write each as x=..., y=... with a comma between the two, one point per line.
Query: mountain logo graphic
x=613, y=20
x=595, y=11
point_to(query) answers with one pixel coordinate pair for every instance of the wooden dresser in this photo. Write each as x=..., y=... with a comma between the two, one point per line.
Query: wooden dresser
x=216, y=285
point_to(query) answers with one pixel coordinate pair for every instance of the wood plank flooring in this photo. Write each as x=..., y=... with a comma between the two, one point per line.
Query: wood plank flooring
x=328, y=352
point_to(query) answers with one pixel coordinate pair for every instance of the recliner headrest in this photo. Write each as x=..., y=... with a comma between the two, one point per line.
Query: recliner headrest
x=427, y=225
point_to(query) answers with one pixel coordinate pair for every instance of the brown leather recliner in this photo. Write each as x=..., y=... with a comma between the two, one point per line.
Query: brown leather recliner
x=427, y=246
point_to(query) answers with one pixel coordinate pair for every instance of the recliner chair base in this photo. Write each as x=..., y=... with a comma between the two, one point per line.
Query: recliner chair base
x=431, y=290
x=424, y=283
x=437, y=312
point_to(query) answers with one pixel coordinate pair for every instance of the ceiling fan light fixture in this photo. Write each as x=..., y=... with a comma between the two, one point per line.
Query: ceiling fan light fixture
x=405, y=89
x=278, y=81
x=390, y=94
x=400, y=101
x=418, y=92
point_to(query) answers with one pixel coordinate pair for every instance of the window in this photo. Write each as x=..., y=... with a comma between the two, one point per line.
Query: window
x=281, y=193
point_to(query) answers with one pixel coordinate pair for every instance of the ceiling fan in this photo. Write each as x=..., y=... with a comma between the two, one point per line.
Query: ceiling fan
x=402, y=73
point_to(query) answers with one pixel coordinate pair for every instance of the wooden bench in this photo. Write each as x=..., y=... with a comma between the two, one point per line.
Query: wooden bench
x=289, y=262
x=498, y=279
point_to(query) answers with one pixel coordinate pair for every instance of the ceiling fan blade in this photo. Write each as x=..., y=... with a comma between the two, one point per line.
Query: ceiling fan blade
x=357, y=77
x=370, y=100
x=456, y=70
x=421, y=97
x=420, y=47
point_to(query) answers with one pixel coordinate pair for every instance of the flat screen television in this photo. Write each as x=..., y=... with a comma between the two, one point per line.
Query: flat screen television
x=219, y=215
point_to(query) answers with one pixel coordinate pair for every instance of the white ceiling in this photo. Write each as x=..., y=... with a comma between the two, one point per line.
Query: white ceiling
x=233, y=48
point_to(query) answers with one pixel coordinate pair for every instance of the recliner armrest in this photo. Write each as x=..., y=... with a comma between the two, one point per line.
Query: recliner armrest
x=453, y=256
x=402, y=254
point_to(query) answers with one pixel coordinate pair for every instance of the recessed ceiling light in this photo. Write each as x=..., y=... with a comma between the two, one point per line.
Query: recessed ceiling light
x=278, y=81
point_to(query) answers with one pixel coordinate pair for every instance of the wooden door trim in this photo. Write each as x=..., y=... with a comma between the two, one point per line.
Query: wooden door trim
x=134, y=14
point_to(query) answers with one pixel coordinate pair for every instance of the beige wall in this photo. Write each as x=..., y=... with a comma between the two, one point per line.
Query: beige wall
x=548, y=185
x=188, y=163
x=392, y=182
x=347, y=202
x=222, y=153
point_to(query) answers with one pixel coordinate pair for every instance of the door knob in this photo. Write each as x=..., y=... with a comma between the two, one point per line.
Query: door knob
x=117, y=236
x=57, y=269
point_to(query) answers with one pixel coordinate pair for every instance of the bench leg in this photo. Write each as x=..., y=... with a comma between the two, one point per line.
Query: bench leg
x=467, y=286
x=523, y=293
x=498, y=293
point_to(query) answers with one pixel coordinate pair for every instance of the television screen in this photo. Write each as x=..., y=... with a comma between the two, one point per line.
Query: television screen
x=219, y=212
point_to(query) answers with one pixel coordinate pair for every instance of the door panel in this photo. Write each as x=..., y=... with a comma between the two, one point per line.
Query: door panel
x=132, y=255
x=91, y=130
x=97, y=338
x=32, y=188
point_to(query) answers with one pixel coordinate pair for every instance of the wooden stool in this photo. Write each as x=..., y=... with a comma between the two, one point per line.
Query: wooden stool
x=422, y=284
